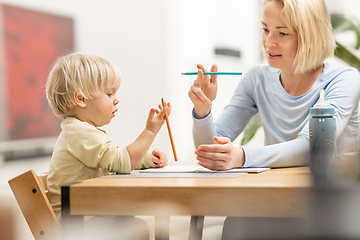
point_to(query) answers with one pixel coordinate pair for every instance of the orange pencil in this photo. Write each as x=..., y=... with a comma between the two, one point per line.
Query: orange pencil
x=169, y=130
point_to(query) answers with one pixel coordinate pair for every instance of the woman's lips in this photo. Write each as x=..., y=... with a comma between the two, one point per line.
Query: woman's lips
x=273, y=55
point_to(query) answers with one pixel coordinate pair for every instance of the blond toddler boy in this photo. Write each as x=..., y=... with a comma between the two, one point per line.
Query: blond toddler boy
x=81, y=89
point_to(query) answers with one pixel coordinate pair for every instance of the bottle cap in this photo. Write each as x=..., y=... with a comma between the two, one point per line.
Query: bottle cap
x=322, y=108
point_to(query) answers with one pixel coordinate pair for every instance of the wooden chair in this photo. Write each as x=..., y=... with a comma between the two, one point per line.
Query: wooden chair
x=7, y=220
x=29, y=190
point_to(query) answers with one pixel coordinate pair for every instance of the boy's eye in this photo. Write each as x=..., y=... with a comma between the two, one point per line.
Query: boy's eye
x=265, y=30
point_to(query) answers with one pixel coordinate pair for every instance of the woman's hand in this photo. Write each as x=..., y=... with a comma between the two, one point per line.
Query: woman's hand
x=221, y=156
x=159, y=158
x=203, y=91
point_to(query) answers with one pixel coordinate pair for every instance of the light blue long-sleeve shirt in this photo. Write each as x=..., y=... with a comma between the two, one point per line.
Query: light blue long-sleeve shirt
x=285, y=117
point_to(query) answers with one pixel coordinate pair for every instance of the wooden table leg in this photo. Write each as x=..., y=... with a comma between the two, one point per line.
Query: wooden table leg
x=72, y=226
x=196, y=227
x=162, y=231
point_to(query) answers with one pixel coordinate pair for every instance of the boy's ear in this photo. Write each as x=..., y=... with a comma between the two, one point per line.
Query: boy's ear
x=80, y=100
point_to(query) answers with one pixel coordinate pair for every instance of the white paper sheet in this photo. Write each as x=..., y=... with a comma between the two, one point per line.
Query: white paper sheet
x=198, y=169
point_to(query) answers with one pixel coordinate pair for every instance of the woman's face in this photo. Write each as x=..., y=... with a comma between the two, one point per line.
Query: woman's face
x=280, y=44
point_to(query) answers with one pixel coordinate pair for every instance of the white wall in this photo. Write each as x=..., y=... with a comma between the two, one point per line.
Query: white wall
x=133, y=35
x=152, y=42
x=196, y=29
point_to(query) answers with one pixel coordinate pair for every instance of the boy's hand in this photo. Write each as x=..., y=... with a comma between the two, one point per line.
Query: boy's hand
x=156, y=118
x=159, y=158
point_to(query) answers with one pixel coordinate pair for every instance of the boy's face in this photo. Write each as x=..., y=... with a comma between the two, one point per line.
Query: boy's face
x=101, y=108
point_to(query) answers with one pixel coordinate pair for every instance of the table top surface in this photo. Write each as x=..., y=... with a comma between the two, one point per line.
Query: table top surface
x=275, y=192
x=297, y=177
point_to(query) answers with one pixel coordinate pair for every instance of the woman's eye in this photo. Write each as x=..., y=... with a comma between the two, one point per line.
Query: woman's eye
x=265, y=30
x=283, y=34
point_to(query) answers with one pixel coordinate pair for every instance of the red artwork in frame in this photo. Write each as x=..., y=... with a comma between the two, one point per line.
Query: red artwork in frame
x=31, y=42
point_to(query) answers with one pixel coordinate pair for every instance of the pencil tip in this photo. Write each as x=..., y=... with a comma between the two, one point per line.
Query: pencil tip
x=183, y=73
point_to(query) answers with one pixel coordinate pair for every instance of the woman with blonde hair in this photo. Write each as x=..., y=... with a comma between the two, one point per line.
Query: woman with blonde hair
x=297, y=38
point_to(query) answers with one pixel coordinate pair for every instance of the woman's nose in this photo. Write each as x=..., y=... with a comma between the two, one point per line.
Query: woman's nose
x=270, y=41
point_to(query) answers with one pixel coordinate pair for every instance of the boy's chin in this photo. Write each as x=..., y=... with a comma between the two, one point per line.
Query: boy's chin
x=103, y=123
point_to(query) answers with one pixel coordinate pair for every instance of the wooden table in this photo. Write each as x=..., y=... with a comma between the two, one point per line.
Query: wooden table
x=274, y=193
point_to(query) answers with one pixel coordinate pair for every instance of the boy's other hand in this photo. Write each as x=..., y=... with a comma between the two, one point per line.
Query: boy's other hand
x=159, y=158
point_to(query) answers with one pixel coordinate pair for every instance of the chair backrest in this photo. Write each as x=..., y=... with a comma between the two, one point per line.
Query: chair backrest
x=29, y=191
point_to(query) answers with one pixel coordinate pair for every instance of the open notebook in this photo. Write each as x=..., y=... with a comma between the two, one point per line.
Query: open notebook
x=198, y=169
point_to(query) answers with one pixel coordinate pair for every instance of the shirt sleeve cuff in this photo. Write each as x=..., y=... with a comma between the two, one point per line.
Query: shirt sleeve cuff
x=194, y=115
x=247, y=162
x=146, y=162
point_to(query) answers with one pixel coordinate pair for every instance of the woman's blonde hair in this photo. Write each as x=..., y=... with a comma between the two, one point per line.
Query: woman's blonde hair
x=82, y=73
x=310, y=20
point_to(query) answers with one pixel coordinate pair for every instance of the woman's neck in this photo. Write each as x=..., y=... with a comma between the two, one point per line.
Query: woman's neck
x=297, y=84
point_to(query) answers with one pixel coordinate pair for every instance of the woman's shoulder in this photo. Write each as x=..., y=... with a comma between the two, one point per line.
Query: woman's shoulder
x=333, y=70
x=340, y=76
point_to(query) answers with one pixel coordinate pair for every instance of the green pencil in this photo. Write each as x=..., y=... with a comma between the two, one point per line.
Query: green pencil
x=213, y=73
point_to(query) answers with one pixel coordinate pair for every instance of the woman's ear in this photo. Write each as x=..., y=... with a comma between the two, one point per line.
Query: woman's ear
x=80, y=100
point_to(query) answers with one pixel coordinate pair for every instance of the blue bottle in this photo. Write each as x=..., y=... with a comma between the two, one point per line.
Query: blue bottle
x=322, y=132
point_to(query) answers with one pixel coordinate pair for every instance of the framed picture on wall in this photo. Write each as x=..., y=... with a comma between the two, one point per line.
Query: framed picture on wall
x=30, y=42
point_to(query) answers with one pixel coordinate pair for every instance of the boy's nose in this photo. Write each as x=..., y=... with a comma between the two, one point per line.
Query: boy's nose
x=116, y=101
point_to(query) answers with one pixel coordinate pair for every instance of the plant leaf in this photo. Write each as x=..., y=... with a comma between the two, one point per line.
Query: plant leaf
x=347, y=56
x=251, y=128
x=341, y=23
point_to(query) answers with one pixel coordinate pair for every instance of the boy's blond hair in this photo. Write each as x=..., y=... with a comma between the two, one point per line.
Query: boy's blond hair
x=82, y=73
x=310, y=20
